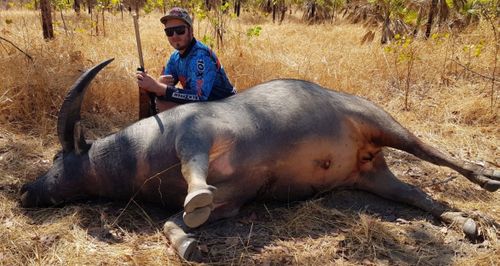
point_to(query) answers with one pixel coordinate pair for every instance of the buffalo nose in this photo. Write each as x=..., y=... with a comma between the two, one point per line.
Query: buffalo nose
x=28, y=197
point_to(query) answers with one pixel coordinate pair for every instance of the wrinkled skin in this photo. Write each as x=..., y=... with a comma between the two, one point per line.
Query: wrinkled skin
x=280, y=140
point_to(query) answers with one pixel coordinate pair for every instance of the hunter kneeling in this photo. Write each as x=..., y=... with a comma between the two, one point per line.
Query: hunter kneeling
x=193, y=64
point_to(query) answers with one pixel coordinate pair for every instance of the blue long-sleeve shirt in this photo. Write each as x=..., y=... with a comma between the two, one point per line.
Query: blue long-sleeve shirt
x=199, y=71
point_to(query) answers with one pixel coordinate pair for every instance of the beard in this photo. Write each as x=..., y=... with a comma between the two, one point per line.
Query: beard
x=180, y=46
x=182, y=42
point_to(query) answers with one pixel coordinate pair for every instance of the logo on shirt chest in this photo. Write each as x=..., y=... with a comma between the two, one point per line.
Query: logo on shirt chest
x=200, y=66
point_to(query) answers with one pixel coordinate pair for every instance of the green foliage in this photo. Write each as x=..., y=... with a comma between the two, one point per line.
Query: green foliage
x=200, y=12
x=410, y=16
x=402, y=48
x=440, y=38
x=151, y=5
x=404, y=52
x=450, y=3
x=397, y=9
x=254, y=31
x=61, y=4
x=224, y=7
x=30, y=5
x=485, y=8
x=102, y=4
x=474, y=49
x=208, y=40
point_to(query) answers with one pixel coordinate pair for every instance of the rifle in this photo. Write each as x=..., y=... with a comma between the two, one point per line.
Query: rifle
x=147, y=104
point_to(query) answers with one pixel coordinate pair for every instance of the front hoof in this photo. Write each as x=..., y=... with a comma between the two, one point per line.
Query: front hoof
x=198, y=199
x=197, y=217
x=470, y=229
x=188, y=250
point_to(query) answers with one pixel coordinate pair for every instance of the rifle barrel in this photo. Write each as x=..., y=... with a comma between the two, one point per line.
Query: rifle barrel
x=138, y=40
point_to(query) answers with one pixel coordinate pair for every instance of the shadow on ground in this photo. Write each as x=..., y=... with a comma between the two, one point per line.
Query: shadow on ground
x=352, y=226
x=358, y=227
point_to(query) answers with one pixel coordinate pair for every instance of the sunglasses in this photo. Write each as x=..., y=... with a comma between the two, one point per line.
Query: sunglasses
x=179, y=30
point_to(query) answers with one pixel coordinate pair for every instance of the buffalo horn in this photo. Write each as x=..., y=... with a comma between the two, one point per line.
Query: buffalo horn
x=70, y=109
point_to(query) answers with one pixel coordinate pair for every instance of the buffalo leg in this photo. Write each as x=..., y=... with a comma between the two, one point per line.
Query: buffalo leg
x=488, y=179
x=381, y=181
x=184, y=244
x=199, y=200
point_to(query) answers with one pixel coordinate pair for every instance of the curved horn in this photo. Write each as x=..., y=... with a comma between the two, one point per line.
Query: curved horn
x=69, y=113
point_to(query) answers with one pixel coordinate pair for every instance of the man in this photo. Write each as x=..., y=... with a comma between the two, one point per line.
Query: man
x=193, y=64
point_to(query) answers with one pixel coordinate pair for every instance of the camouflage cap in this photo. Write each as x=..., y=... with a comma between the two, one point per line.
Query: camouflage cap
x=177, y=13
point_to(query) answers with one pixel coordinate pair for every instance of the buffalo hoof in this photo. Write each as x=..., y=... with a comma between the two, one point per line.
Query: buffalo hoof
x=198, y=199
x=188, y=250
x=197, y=217
x=470, y=229
x=491, y=185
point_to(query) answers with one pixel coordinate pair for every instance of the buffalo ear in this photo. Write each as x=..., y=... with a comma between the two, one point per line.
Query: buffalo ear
x=81, y=145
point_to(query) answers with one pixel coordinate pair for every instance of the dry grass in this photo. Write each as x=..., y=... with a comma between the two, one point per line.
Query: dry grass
x=450, y=108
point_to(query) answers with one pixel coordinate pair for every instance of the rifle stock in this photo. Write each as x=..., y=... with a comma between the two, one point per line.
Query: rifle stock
x=147, y=105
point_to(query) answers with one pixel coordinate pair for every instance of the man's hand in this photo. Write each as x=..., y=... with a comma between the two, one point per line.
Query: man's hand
x=167, y=80
x=149, y=84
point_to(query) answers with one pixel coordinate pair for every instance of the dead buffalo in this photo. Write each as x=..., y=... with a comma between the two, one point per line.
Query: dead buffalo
x=280, y=140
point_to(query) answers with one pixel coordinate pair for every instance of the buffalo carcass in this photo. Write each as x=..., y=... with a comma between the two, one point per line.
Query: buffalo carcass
x=280, y=140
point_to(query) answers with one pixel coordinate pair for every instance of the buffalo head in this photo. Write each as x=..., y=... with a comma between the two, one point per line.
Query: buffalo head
x=70, y=164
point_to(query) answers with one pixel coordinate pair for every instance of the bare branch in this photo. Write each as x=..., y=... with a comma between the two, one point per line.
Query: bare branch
x=474, y=72
x=27, y=55
x=441, y=182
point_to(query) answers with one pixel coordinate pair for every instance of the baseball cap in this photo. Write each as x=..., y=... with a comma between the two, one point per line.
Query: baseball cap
x=178, y=13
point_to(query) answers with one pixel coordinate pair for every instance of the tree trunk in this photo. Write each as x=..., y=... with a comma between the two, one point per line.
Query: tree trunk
x=64, y=22
x=419, y=19
x=76, y=6
x=444, y=12
x=432, y=11
x=283, y=12
x=48, y=29
x=97, y=23
x=137, y=7
x=121, y=8
x=89, y=7
x=313, y=11
x=274, y=13
x=237, y=7
x=103, y=23
x=387, y=33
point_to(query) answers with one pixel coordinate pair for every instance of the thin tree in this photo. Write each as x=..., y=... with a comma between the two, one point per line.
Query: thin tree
x=237, y=7
x=76, y=6
x=48, y=29
x=432, y=11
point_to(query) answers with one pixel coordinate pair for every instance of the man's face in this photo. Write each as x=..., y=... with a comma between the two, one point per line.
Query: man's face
x=180, y=41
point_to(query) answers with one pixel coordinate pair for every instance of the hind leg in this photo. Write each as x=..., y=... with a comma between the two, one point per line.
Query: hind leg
x=488, y=179
x=381, y=181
